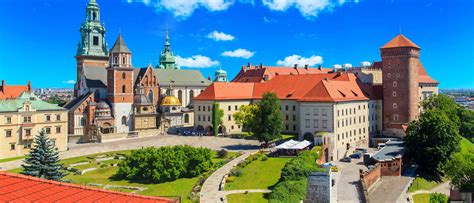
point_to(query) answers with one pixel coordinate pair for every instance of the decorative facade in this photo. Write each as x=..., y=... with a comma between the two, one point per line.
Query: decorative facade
x=114, y=99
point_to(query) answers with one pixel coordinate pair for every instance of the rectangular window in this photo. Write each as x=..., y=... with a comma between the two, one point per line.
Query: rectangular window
x=294, y=117
x=228, y=108
x=325, y=124
x=12, y=146
x=325, y=112
x=27, y=132
x=236, y=107
x=27, y=119
x=9, y=120
x=209, y=119
x=199, y=117
x=58, y=117
x=286, y=127
x=8, y=133
x=316, y=123
x=48, y=130
x=53, y=141
x=48, y=118
x=209, y=108
x=286, y=117
x=307, y=111
x=58, y=129
x=316, y=112
x=229, y=117
x=307, y=123
x=199, y=108
x=286, y=107
x=294, y=108
x=95, y=41
x=294, y=127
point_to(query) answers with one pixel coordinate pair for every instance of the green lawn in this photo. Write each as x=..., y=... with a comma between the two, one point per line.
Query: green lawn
x=466, y=146
x=11, y=159
x=422, y=183
x=421, y=198
x=249, y=197
x=259, y=174
x=181, y=187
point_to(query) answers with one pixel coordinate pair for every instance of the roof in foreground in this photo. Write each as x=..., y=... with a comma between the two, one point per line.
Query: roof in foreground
x=331, y=87
x=12, y=105
x=392, y=150
x=21, y=188
x=12, y=91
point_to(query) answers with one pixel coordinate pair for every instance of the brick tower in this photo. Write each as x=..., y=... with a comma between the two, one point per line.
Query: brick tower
x=120, y=85
x=92, y=49
x=400, y=64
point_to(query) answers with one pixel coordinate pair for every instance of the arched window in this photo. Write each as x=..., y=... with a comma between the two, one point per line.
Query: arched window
x=124, y=75
x=123, y=88
x=115, y=60
x=150, y=96
x=124, y=60
x=180, y=96
x=124, y=120
x=191, y=94
x=186, y=118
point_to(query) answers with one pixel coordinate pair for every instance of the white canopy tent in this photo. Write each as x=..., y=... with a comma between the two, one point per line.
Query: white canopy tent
x=292, y=144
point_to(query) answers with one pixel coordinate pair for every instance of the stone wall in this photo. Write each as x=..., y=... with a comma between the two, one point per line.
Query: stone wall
x=391, y=168
x=319, y=188
x=371, y=176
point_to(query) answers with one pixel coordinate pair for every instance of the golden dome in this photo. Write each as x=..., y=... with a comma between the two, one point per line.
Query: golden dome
x=170, y=101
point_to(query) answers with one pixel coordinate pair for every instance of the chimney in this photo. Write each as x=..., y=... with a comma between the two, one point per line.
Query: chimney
x=261, y=65
x=3, y=86
x=306, y=66
x=249, y=64
x=296, y=66
x=29, y=86
x=320, y=67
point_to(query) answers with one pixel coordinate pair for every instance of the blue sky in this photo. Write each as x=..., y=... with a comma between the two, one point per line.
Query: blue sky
x=38, y=38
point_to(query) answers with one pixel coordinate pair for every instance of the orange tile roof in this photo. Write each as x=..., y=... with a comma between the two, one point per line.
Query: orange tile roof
x=12, y=91
x=400, y=41
x=21, y=188
x=329, y=87
x=257, y=73
x=423, y=76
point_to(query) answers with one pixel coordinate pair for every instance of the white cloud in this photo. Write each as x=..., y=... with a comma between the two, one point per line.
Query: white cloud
x=196, y=61
x=301, y=61
x=185, y=8
x=239, y=53
x=69, y=82
x=220, y=36
x=308, y=8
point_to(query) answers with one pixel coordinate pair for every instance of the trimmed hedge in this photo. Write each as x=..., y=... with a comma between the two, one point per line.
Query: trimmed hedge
x=164, y=164
x=293, y=182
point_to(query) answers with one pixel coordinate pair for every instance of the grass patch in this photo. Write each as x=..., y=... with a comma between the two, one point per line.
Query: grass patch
x=423, y=183
x=466, y=146
x=249, y=197
x=259, y=174
x=421, y=198
x=11, y=159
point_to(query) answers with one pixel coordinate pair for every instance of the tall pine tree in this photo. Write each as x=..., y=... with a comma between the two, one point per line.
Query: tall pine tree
x=43, y=160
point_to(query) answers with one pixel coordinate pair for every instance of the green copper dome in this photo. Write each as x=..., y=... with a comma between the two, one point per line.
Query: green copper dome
x=167, y=60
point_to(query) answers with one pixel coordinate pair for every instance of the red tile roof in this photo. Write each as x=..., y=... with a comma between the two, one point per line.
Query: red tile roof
x=257, y=73
x=400, y=41
x=21, y=188
x=12, y=91
x=329, y=87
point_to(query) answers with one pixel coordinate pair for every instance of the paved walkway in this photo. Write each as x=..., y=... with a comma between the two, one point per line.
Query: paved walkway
x=215, y=143
x=441, y=188
x=210, y=192
x=389, y=189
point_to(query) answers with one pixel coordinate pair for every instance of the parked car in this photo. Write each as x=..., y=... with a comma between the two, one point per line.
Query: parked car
x=356, y=155
x=362, y=150
x=346, y=159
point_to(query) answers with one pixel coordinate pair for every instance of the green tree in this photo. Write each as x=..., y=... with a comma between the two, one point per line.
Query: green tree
x=43, y=160
x=431, y=140
x=438, y=198
x=460, y=169
x=268, y=119
x=246, y=116
x=466, y=127
x=217, y=115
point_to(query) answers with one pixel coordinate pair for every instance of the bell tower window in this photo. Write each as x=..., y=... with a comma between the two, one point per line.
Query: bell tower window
x=94, y=16
x=123, y=88
x=95, y=41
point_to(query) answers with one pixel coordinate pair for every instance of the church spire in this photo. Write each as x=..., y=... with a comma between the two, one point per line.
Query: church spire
x=167, y=60
x=92, y=41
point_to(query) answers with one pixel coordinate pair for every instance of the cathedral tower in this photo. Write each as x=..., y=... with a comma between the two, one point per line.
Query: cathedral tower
x=92, y=50
x=167, y=60
x=120, y=85
x=400, y=64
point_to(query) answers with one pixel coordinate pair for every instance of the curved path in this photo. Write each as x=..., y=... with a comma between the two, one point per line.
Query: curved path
x=215, y=143
x=210, y=189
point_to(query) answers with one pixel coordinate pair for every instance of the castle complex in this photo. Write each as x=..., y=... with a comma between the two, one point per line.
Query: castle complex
x=343, y=108
x=115, y=100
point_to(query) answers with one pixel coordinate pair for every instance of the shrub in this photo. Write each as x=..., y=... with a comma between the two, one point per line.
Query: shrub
x=438, y=198
x=236, y=172
x=289, y=191
x=104, y=165
x=165, y=163
x=264, y=158
x=230, y=179
x=222, y=153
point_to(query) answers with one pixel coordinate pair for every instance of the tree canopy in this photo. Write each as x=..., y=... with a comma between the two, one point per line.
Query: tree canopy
x=43, y=160
x=431, y=140
x=460, y=168
x=217, y=115
x=246, y=116
x=268, y=121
